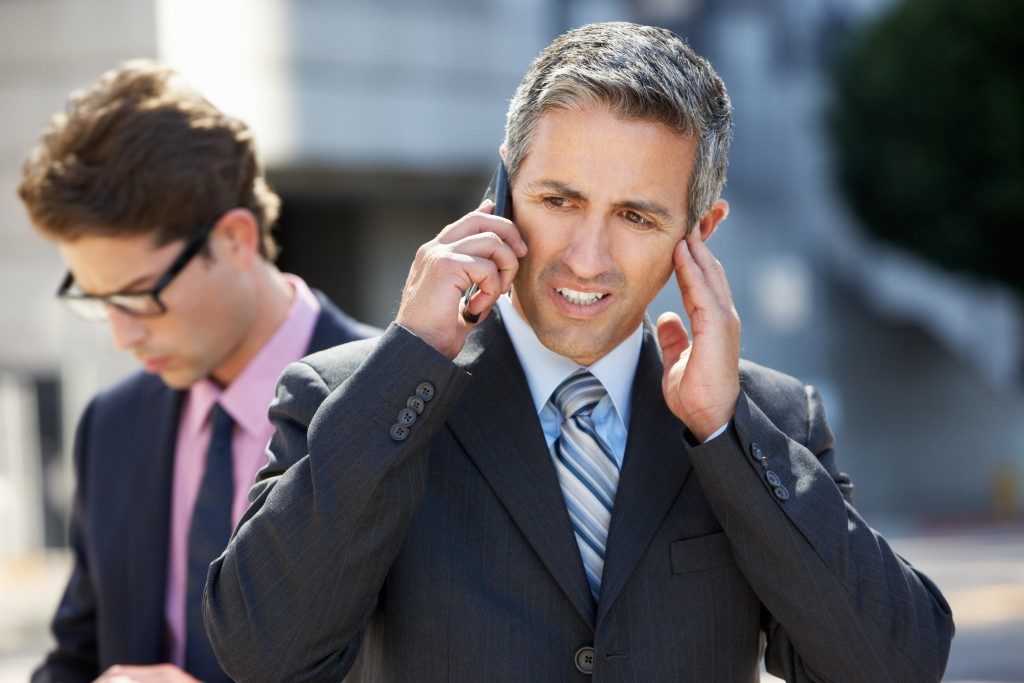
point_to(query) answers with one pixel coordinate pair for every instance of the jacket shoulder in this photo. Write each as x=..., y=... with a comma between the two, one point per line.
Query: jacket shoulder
x=781, y=397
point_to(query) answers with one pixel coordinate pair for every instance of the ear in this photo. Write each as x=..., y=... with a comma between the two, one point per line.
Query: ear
x=710, y=220
x=503, y=151
x=237, y=237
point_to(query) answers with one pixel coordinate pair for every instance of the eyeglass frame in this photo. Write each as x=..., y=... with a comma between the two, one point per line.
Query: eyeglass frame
x=192, y=247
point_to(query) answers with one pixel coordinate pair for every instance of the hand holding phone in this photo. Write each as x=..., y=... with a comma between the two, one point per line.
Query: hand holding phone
x=457, y=276
x=498, y=191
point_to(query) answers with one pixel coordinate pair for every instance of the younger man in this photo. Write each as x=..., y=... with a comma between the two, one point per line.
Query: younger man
x=158, y=206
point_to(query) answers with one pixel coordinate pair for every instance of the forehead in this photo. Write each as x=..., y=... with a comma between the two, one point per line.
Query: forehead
x=105, y=264
x=607, y=153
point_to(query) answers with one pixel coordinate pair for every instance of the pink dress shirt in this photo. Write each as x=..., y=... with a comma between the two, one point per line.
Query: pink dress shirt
x=246, y=399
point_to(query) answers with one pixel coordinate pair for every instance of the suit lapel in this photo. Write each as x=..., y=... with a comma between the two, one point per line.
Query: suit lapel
x=496, y=424
x=654, y=469
x=152, y=476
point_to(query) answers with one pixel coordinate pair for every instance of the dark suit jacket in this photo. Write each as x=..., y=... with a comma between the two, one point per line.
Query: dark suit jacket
x=112, y=611
x=448, y=554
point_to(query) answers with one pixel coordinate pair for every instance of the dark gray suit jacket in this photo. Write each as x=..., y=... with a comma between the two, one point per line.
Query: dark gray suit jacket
x=112, y=611
x=448, y=554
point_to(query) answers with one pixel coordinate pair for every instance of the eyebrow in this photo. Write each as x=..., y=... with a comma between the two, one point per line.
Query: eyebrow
x=555, y=186
x=648, y=206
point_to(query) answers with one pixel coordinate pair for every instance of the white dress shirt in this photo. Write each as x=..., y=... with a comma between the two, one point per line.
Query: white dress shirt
x=545, y=370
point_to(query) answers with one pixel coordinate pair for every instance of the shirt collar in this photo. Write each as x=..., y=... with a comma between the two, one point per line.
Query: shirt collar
x=546, y=369
x=248, y=397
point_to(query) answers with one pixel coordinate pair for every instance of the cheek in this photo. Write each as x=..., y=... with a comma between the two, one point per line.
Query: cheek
x=546, y=234
x=199, y=316
x=648, y=265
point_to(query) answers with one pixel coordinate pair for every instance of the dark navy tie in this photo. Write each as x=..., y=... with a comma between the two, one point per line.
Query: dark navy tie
x=208, y=535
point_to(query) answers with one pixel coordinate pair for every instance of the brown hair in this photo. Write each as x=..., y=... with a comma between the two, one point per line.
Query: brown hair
x=141, y=152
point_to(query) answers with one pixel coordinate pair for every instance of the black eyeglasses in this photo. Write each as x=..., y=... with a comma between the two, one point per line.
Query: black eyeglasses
x=136, y=304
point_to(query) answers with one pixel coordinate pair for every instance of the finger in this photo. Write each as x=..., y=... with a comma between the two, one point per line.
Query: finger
x=714, y=272
x=693, y=285
x=484, y=274
x=489, y=246
x=476, y=223
x=672, y=338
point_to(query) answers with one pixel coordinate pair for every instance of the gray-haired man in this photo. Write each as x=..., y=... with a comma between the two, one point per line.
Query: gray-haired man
x=563, y=490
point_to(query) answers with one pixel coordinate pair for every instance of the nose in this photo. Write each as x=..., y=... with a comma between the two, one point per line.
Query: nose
x=126, y=330
x=588, y=253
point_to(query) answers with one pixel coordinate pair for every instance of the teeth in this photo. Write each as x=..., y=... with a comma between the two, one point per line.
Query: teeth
x=580, y=298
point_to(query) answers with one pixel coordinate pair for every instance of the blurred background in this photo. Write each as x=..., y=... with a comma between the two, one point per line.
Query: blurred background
x=876, y=185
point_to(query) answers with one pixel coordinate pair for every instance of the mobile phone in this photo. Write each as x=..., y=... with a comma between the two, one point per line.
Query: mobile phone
x=499, y=192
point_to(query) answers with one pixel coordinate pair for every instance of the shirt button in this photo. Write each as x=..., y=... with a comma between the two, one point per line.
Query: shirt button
x=425, y=391
x=416, y=403
x=781, y=493
x=772, y=478
x=585, y=660
x=399, y=432
x=406, y=416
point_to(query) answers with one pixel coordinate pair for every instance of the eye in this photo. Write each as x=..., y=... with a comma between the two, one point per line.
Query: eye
x=556, y=202
x=636, y=219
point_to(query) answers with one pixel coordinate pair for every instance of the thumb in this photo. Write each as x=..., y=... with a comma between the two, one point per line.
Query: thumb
x=672, y=338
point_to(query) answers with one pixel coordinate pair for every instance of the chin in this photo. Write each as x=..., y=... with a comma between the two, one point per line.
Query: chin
x=180, y=380
x=574, y=344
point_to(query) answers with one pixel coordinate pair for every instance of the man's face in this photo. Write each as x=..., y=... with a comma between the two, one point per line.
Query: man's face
x=206, y=316
x=601, y=204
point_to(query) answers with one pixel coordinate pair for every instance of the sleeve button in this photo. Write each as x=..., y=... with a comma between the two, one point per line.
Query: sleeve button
x=406, y=416
x=781, y=493
x=399, y=432
x=772, y=478
x=425, y=391
x=416, y=403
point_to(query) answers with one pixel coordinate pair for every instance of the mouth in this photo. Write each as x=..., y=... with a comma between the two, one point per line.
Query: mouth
x=155, y=365
x=580, y=298
x=578, y=305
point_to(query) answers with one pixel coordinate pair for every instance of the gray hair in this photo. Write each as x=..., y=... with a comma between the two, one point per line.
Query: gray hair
x=640, y=73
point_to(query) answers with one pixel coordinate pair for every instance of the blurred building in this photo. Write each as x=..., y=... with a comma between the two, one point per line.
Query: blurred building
x=379, y=123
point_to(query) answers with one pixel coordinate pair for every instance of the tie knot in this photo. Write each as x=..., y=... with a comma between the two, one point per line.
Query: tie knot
x=221, y=423
x=578, y=394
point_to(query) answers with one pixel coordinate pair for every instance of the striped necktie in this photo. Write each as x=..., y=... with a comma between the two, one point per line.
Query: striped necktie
x=586, y=469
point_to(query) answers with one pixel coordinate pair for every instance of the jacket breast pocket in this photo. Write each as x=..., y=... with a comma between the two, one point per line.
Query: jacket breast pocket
x=703, y=552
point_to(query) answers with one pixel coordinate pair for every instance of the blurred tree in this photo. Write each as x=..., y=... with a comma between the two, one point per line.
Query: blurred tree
x=928, y=121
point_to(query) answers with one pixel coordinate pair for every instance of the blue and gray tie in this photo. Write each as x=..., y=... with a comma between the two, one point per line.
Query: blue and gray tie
x=587, y=470
x=207, y=537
